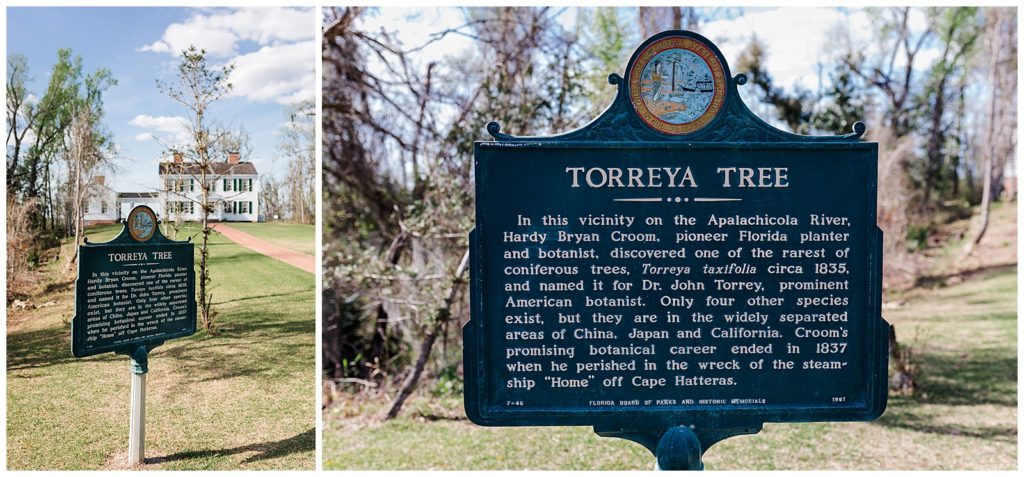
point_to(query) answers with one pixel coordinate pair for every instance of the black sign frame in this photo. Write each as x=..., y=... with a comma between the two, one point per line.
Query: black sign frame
x=126, y=241
x=733, y=127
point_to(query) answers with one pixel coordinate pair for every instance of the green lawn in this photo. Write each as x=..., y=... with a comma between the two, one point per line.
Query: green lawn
x=964, y=417
x=241, y=399
x=298, y=237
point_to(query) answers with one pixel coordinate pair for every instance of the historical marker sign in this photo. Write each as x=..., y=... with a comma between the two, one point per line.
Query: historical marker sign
x=677, y=262
x=137, y=290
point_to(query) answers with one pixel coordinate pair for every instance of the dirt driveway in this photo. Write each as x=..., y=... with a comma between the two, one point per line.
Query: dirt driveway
x=291, y=257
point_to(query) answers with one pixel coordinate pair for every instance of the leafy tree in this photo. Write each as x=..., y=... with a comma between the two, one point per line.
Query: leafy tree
x=843, y=103
x=604, y=41
x=64, y=124
x=21, y=116
x=793, y=109
x=957, y=30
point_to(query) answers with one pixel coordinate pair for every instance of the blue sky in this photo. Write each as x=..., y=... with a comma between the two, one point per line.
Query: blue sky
x=274, y=51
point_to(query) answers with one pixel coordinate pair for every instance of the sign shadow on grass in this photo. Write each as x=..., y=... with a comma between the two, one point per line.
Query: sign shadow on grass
x=214, y=358
x=302, y=442
x=44, y=347
x=302, y=293
x=976, y=378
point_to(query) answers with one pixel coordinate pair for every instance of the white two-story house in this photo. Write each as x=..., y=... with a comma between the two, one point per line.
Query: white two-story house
x=235, y=194
x=100, y=203
x=234, y=190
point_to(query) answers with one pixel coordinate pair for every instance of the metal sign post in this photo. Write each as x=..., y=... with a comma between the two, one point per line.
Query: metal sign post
x=137, y=420
x=137, y=428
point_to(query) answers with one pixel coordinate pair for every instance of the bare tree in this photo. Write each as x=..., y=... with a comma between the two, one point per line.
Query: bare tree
x=398, y=168
x=271, y=202
x=297, y=146
x=199, y=85
x=1001, y=135
x=83, y=157
x=657, y=19
x=895, y=79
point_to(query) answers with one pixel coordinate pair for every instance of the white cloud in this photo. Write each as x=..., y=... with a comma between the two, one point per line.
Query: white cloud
x=796, y=38
x=281, y=73
x=415, y=27
x=790, y=56
x=179, y=37
x=170, y=129
x=280, y=70
x=220, y=31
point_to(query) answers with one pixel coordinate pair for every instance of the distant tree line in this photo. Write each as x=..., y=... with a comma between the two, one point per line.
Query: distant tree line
x=56, y=145
x=293, y=198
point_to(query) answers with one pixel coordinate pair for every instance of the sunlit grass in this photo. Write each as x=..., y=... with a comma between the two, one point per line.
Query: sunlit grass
x=963, y=417
x=298, y=237
x=241, y=399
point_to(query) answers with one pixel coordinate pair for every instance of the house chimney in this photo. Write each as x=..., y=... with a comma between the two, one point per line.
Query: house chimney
x=234, y=157
x=100, y=180
x=177, y=157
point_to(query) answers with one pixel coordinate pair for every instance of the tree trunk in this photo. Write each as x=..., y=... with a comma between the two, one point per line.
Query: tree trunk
x=443, y=314
x=204, y=273
x=936, y=138
x=76, y=207
x=377, y=344
x=990, y=143
x=986, y=201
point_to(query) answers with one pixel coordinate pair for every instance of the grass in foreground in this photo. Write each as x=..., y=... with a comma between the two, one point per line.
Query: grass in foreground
x=964, y=417
x=297, y=237
x=242, y=399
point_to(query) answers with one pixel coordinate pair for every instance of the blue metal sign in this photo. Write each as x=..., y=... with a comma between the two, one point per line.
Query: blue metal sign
x=677, y=271
x=133, y=292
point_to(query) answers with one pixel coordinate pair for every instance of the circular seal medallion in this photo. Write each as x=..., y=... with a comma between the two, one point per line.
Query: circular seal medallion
x=677, y=85
x=141, y=223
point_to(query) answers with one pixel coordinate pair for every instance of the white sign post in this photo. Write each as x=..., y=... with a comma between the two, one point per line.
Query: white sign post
x=136, y=428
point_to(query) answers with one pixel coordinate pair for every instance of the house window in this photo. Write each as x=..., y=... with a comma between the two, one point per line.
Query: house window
x=86, y=207
x=181, y=207
x=238, y=185
x=238, y=207
x=181, y=185
x=103, y=207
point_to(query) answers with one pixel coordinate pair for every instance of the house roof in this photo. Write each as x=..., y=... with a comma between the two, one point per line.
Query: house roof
x=137, y=195
x=216, y=168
